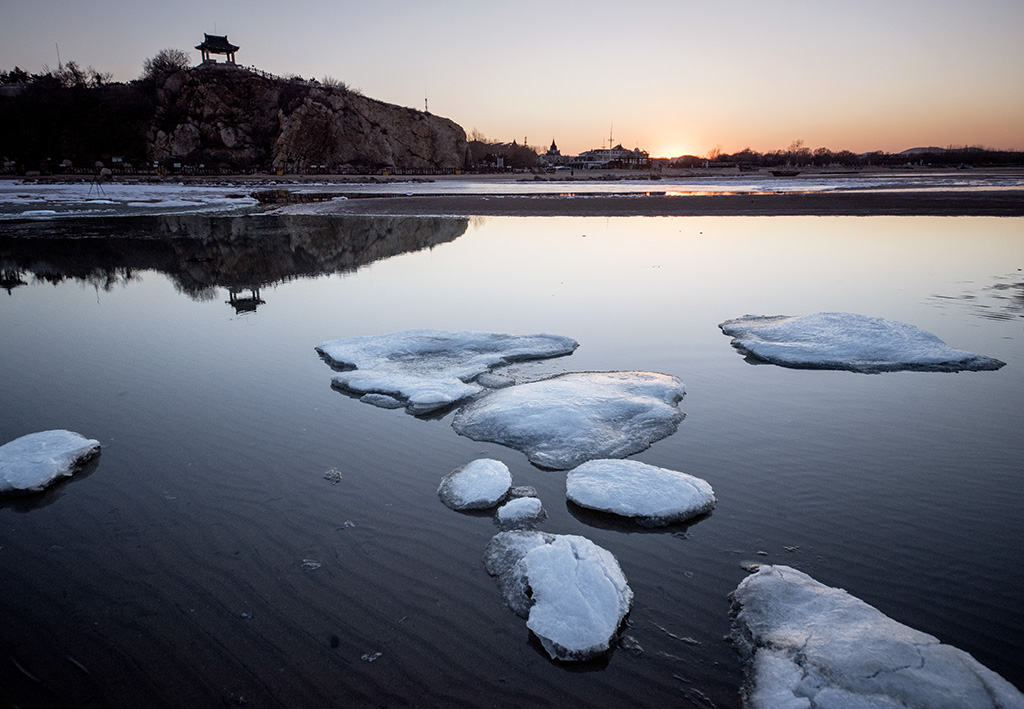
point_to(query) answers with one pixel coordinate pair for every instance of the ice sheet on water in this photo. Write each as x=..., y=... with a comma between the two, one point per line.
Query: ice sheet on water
x=88, y=199
x=477, y=485
x=565, y=420
x=571, y=591
x=651, y=495
x=848, y=341
x=30, y=463
x=432, y=369
x=807, y=644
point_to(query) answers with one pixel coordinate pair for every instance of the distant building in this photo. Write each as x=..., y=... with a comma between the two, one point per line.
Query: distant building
x=217, y=44
x=553, y=157
x=612, y=158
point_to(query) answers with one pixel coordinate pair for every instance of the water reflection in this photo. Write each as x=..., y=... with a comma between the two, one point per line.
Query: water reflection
x=202, y=253
x=1001, y=300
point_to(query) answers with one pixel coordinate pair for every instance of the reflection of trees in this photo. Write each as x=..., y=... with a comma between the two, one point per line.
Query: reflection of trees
x=201, y=253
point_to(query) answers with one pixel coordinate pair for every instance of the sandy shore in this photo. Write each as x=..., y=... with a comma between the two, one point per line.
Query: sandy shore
x=1003, y=203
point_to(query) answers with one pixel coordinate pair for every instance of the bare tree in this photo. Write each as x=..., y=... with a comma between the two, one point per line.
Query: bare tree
x=165, y=62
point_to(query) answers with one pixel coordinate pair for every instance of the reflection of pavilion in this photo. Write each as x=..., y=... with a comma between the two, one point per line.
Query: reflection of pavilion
x=243, y=304
x=11, y=279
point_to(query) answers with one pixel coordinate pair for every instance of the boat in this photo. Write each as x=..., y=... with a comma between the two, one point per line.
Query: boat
x=785, y=173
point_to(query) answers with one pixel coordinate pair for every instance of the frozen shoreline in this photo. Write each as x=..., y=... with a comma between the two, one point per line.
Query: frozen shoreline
x=935, y=193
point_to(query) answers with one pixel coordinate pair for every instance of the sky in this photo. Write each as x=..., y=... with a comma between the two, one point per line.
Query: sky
x=672, y=77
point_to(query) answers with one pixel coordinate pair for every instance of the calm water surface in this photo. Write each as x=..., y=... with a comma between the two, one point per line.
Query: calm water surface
x=205, y=559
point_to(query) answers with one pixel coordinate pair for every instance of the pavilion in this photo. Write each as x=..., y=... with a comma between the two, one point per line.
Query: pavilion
x=217, y=44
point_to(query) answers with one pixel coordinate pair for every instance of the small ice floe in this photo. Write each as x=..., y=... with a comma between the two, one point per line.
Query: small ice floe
x=565, y=420
x=847, y=341
x=807, y=645
x=478, y=485
x=30, y=463
x=427, y=370
x=521, y=512
x=650, y=495
x=571, y=591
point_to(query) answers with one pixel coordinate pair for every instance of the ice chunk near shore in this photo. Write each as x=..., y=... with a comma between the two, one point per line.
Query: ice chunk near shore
x=848, y=341
x=477, y=485
x=431, y=369
x=571, y=591
x=565, y=420
x=30, y=463
x=650, y=495
x=807, y=644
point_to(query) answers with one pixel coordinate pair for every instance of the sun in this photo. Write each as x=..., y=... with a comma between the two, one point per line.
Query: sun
x=672, y=150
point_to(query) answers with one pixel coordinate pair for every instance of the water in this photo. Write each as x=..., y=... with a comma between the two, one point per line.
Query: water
x=206, y=558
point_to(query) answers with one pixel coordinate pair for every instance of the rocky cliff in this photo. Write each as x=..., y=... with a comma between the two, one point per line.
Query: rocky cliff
x=226, y=116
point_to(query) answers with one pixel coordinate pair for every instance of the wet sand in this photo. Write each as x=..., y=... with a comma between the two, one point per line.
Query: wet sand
x=1003, y=203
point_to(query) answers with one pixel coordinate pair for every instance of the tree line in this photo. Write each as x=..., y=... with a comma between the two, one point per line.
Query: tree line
x=799, y=155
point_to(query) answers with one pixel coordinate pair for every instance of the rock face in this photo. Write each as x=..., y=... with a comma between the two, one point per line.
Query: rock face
x=221, y=115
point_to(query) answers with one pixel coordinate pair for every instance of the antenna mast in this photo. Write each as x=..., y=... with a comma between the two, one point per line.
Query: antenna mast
x=59, y=65
x=611, y=141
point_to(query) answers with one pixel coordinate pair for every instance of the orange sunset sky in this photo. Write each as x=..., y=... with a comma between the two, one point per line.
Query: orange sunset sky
x=670, y=77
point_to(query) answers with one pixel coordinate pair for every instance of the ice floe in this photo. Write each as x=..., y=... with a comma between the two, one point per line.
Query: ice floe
x=521, y=512
x=30, y=463
x=810, y=645
x=650, y=495
x=571, y=591
x=428, y=370
x=848, y=341
x=565, y=420
x=477, y=485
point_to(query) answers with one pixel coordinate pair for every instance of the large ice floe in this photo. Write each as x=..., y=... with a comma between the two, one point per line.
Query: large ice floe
x=478, y=485
x=565, y=420
x=810, y=645
x=427, y=370
x=30, y=463
x=848, y=341
x=650, y=495
x=571, y=591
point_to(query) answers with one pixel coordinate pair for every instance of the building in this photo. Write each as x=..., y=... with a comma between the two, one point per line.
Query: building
x=217, y=44
x=553, y=157
x=617, y=158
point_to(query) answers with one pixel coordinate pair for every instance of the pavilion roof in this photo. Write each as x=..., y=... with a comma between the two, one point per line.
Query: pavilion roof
x=217, y=44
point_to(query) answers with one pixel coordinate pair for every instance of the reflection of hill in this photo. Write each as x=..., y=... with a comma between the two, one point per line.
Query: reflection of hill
x=200, y=253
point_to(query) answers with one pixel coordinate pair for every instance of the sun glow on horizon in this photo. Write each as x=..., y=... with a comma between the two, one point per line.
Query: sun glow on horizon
x=673, y=150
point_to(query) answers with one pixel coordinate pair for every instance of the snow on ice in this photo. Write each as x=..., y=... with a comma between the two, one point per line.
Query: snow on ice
x=521, y=512
x=565, y=420
x=848, y=341
x=651, y=495
x=30, y=463
x=571, y=591
x=428, y=370
x=807, y=645
x=477, y=485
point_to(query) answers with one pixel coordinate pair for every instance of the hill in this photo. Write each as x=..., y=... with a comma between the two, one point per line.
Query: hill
x=218, y=118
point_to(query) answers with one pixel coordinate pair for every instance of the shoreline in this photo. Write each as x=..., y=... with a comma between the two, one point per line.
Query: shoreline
x=943, y=203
